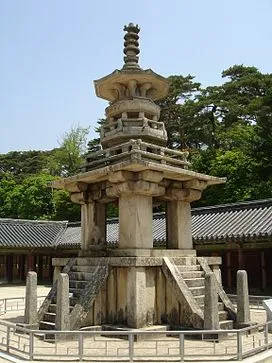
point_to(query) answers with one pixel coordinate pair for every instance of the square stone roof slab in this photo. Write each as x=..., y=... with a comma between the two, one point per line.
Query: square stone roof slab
x=102, y=174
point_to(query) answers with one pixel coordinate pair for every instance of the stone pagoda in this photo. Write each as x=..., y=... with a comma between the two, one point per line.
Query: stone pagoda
x=136, y=285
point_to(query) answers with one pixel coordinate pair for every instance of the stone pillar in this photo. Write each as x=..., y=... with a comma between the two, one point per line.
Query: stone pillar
x=135, y=221
x=179, y=225
x=217, y=272
x=100, y=219
x=136, y=299
x=57, y=271
x=31, y=298
x=211, y=318
x=87, y=223
x=63, y=305
x=243, y=312
x=93, y=224
x=179, y=220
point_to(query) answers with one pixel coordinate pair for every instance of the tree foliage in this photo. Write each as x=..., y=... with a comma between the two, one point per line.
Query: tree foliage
x=226, y=128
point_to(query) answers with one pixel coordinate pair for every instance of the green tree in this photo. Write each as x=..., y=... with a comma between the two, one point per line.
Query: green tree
x=69, y=157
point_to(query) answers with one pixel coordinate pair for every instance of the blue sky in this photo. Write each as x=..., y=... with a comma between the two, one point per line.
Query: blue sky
x=52, y=50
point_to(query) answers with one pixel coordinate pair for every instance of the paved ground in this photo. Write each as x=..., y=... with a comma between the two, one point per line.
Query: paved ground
x=18, y=290
x=98, y=345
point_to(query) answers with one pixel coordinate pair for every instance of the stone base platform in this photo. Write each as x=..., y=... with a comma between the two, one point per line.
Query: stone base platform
x=141, y=336
x=130, y=252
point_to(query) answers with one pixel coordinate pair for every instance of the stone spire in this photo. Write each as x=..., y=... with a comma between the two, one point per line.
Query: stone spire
x=132, y=113
x=131, y=46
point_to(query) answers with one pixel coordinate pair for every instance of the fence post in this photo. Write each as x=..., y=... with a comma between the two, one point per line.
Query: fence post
x=239, y=346
x=266, y=335
x=80, y=346
x=131, y=346
x=31, y=345
x=8, y=335
x=181, y=347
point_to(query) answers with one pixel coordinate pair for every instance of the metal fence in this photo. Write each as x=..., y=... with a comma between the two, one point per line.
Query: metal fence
x=16, y=304
x=255, y=301
x=120, y=346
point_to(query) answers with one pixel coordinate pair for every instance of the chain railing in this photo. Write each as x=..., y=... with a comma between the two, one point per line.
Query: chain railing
x=12, y=304
x=117, y=346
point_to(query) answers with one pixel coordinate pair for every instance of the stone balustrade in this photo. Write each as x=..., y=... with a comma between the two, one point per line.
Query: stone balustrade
x=136, y=149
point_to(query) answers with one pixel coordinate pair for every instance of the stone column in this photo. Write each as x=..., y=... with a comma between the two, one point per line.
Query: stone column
x=31, y=298
x=217, y=272
x=211, y=318
x=63, y=305
x=179, y=225
x=87, y=223
x=243, y=311
x=136, y=298
x=57, y=271
x=135, y=221
x=179, y=220
x=100, y=219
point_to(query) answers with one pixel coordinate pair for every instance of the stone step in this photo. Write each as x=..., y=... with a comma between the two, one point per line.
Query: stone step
x=72, y=300
x=226, y=324
x=52, y=308
x=223, y=315
x=80, y=268
x=48, y=316
x=76, y=292
x=86, y=276
x=191, y=274
x=78, y=284
x=220, y=306
x=197, y=291
x=200, y=300
x=87, y=261
x=46, y=325
x=195, y=282
x=185, y=260
x=185, y=268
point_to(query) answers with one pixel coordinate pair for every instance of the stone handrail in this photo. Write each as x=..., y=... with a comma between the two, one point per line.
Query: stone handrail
x=53, y=292
x=192, y=314
x=86, y=300
x=219, y=289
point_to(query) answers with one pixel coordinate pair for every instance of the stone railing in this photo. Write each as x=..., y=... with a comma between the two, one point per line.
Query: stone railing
x=158, y=345
x=136, y=149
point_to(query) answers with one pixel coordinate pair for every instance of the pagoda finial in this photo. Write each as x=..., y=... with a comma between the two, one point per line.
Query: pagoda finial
x=131, y=46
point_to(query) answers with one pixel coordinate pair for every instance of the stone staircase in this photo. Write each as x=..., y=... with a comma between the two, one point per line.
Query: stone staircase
x=187, y=277
x=193, y=276
x=85, y=281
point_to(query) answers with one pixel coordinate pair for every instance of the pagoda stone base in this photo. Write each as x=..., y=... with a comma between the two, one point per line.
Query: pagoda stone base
x=137, y=293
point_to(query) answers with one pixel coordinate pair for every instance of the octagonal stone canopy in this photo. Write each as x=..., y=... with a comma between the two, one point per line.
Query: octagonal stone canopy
x=105, y=86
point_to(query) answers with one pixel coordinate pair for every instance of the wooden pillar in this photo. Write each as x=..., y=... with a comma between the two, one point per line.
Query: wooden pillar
x=31, y=263
x=240, y=259
x=9, y=268
x=263, y=269
x=51, y=269
x=228, y=258
x=40, y=268
x=22, y=267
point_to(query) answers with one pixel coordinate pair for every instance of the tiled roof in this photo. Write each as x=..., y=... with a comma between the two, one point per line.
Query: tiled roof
x=20, y=233
x=238, y=221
